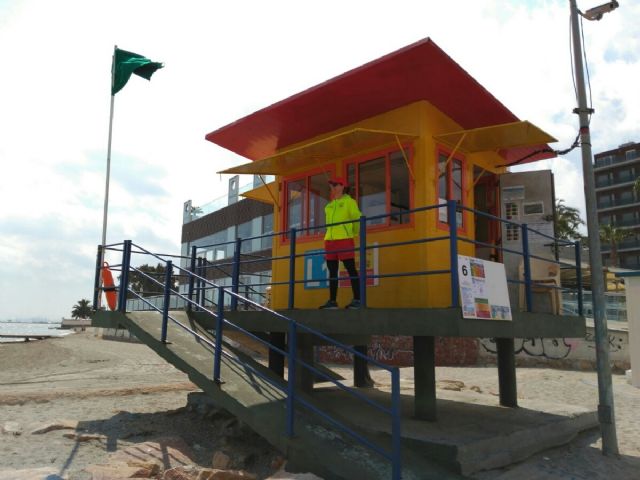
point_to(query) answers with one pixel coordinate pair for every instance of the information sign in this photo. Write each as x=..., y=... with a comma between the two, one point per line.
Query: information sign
x=483, y=289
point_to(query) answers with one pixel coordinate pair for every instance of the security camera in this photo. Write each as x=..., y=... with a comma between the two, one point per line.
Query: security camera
x=596, y=13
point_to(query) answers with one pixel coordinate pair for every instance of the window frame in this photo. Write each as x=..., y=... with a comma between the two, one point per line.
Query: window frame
x=306, y=175
x=441, y=150
x=386, y=154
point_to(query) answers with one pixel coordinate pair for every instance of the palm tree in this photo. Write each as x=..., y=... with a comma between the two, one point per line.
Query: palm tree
x=613, y=235
x=82, y=309
x=567, y=222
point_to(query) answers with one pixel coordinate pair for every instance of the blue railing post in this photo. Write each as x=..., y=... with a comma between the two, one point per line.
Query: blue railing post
x=235, y=274
x=526, y=259
x=291, y=379
x=453, y=251
x=96, y=283
x=199, y=284
x=363, y=261
x=124, y=276
x=396, y=469
x=579, y=277
x=167, y=298
x=292, y=267
x=192, y=269
x=217, y=353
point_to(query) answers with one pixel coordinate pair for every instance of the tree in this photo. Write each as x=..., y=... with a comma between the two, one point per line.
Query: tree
x=82, y=309
x=567, y=222
x=613, y=235
x=636, y=187
x=146, y=287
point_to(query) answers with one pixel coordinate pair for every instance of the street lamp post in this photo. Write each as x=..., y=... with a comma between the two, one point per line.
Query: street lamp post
x=606, y=414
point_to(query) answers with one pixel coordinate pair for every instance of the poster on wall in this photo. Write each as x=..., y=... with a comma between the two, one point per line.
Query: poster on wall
x=483, y=289
x=316, y=274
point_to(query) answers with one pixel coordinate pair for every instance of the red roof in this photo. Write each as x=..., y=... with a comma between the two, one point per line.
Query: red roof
x=421, y=71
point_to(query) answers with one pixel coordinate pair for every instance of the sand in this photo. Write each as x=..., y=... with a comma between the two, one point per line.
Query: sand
x=119, y=395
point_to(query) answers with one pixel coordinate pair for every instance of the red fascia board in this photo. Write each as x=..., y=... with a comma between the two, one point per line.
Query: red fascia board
x=421, y=71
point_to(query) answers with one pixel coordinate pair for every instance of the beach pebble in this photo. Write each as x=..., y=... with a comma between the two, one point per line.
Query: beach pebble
x=220, y=460
x=12, y=428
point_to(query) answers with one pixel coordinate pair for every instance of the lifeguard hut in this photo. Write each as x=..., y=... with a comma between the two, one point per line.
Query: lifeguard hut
x=423, y=146
x=408, y=130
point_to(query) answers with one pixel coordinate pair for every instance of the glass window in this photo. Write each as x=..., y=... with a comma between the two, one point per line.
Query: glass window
x=296, y=193
x=244, y=232
x=400, y=196
x=513, y=232
x=372, y=189
x=318, y=199
x=267, y=227
x=511, y=210
x=450, y=185
x=630, y=154
x=534, y=208
x=382, y=187
x=306, y=199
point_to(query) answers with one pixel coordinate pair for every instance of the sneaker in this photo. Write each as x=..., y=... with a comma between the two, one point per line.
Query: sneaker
x=330, y=305
x=354, y=304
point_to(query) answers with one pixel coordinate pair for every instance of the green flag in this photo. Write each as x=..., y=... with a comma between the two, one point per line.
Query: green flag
x=125, y=63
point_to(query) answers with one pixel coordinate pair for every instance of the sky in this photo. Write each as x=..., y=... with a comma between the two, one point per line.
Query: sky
x=225, y=60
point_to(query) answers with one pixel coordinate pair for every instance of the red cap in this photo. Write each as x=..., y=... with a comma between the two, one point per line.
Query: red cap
x=338, y=181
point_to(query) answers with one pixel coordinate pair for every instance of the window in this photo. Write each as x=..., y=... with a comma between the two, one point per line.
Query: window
x=450, y=180
x=306, y=198
x=383, y=189
x=511, y=210
x=267, y=227
x=534, y=208
x=513, y=193
x=513, y=232
x=630, y=154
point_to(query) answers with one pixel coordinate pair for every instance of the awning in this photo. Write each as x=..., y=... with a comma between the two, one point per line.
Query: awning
x=336, y=146
x=265, y=194
x=508, y=139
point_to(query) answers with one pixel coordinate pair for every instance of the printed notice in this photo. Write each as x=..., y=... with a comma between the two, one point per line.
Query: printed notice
x=483, y=289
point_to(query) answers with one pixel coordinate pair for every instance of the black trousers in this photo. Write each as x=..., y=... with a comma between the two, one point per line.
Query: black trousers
x=350, y=265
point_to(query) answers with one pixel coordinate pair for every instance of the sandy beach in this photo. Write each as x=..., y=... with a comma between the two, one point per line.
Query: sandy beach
x=70, y=404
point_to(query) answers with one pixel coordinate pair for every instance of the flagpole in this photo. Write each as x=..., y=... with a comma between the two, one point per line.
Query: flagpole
x=106, y=187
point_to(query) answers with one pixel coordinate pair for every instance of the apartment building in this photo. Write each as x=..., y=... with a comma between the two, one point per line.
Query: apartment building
x=213, y=229
x=618, y=203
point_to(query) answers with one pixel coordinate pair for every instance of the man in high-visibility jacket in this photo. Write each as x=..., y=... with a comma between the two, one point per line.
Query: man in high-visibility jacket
x=339, y=242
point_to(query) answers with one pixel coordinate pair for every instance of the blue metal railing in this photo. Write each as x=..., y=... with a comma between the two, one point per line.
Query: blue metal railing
x=453, y=237
x=294, y=329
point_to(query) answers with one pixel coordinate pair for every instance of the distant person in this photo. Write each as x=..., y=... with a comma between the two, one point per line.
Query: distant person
x=339, y=242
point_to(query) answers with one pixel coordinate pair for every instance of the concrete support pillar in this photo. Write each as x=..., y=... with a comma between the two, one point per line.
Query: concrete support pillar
x=424, y=376
x=507, y=372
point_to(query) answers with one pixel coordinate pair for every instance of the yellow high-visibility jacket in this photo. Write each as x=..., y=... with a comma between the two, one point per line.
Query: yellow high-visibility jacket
x=340, y=210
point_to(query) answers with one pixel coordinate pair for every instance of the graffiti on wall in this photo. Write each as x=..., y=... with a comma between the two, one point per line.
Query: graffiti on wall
x=554, y=348
x=551, y=348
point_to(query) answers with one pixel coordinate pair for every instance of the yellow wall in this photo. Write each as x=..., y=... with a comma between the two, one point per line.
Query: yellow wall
x=423, y=119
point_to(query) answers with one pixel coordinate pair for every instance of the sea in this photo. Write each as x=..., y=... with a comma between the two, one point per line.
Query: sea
x=30, y=327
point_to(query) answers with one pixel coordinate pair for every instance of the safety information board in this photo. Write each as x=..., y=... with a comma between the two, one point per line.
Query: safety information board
x=483, y=289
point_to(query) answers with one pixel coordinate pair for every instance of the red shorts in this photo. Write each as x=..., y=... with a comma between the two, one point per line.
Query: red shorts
x=331, y=247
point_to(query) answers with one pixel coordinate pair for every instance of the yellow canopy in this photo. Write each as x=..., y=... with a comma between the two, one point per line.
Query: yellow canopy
x=496, y=137
x=265, y=194
x=342, y=144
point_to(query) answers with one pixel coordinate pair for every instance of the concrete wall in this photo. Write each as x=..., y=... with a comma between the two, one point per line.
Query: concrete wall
x=569, y=353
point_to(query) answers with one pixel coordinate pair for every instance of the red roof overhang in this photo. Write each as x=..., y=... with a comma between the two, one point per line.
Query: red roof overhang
x=421, y=71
